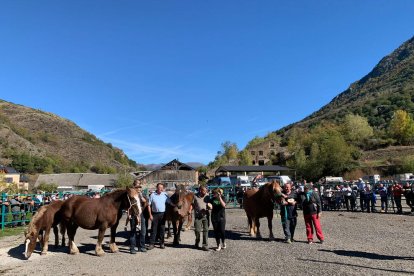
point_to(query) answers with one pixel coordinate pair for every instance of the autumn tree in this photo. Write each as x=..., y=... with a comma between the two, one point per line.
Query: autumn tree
x=401, y=127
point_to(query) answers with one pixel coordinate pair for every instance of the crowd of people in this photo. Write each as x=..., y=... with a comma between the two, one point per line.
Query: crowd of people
x=205, y=208
x=19, y=206
x=312, y=199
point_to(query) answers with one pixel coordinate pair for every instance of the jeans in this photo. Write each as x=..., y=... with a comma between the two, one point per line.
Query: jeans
x=201, y=225
x=289, y=226
x=133, y=233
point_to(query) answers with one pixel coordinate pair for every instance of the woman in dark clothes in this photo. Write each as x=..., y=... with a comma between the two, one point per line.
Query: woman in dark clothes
x=218, y=218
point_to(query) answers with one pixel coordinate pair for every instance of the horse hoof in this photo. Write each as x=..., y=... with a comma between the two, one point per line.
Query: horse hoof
x=100, y=254
x=74, y=252
x=43, y=253
x=113, y=248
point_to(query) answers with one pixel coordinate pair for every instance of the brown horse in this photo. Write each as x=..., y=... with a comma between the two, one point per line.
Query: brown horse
x=47, y=217
x=182, y=201
x=99, y=213
x=258, y=203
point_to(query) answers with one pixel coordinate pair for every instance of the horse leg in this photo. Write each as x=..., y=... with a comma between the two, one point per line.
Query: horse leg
x=180, y=227
x=189, y=222
x=270, y=225
x=112, y=246
x=62, y=228
x=251, y=226
x=258, y=235
x=56, y=233
x=175, y=232
x=98, y=249
x=40, y=237
x=45, y=246
x=168, y=229
x=73, y=249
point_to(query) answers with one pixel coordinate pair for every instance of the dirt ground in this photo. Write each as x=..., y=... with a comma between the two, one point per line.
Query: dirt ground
x=356, y=244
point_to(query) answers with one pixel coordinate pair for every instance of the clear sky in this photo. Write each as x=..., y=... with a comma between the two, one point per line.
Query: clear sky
x=175, y=79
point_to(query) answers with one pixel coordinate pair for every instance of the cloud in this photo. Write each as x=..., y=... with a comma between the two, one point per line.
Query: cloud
x=145, y=153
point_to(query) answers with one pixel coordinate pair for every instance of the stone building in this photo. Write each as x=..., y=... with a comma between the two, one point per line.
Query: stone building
x=261, y=153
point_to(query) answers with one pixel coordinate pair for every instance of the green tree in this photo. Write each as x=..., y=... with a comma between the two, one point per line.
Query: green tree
x=124, y=180
x=244, y=158
x=47, y=187
x=356, y=129
x=401, y=127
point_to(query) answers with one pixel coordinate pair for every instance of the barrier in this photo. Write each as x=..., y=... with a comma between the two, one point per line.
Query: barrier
x=28, y=204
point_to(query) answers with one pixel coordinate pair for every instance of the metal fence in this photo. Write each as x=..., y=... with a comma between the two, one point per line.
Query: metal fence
x=18, y=209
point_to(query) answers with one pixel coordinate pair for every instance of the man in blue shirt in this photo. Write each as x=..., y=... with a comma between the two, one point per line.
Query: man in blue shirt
x=157, y=202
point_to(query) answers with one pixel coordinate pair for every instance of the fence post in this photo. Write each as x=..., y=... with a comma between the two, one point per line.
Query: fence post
x=3, y=209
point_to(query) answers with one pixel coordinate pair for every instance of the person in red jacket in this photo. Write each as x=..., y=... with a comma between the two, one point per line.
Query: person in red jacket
x=312, y=211
x=397, y=191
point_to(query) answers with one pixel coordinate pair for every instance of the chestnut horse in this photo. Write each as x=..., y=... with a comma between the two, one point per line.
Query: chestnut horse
x=176, y=214
x=99, y=213
x=46, y=217
x=259, y=203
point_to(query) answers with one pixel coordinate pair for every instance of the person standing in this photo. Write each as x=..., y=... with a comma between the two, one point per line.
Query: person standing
x=361, y=190
x=347, y=192
x=384, y=197
x=311, y=206
x=397, y=192
x=288, y=212
x=218, y=218
x=157, y=202
x=201, y=214
x=134, y=223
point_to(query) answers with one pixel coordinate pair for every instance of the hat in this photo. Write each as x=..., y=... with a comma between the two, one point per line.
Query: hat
x=307, y=187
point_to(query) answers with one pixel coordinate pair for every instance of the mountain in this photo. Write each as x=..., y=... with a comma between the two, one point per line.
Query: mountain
x=37, y=141
x=388, y=87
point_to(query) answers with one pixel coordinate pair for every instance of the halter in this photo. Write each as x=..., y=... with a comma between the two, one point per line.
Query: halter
x=130, y=204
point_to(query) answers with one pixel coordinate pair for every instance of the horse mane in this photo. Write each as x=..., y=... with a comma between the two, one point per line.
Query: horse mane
x=115, y=193
x=32, y=228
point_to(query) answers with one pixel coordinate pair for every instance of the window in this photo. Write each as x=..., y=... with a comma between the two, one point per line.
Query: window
x=8, y=179
x=272, y=144
x=261, y=162
x=252, y=152
x=254, y=162
x=261, y=153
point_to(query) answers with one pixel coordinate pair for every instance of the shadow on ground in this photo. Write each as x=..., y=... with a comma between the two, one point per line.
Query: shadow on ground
x=367, y=255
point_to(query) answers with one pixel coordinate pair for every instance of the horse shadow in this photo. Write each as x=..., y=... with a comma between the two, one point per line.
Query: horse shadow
x=17, y=252
x=367, y=255
x=240, y=235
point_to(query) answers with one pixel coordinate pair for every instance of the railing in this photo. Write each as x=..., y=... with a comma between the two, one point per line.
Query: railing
x=23, y=210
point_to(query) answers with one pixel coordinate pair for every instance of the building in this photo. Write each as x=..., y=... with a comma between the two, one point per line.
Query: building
x=78, y=181
x=262, y=153
x=246, y=170
x=9, y=175
x=172, y=173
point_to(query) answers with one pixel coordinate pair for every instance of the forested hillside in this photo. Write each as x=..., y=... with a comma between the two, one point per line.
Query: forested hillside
x=34, y=141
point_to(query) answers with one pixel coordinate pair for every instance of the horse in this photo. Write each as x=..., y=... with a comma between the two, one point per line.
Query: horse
x=176, y=214
x=47, y=217
x=99, y=213
x=258, y=203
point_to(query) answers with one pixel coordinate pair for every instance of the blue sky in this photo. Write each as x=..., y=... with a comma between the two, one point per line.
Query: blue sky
x=175, y=79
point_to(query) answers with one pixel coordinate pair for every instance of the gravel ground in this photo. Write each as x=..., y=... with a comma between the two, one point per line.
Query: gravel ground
x=356, y=243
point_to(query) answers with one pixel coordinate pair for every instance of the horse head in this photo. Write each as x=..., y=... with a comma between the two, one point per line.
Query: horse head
x=273, y=190
x=180, y=201
x=134, y=204
x=32, y=232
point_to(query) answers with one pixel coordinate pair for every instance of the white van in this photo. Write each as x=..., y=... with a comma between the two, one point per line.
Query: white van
x=283, y=179
x=243, y=181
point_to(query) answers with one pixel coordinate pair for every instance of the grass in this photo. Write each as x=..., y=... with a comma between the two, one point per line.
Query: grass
x=11, y=231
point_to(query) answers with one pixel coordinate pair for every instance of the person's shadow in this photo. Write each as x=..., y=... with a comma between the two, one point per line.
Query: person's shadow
x=367, y=255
